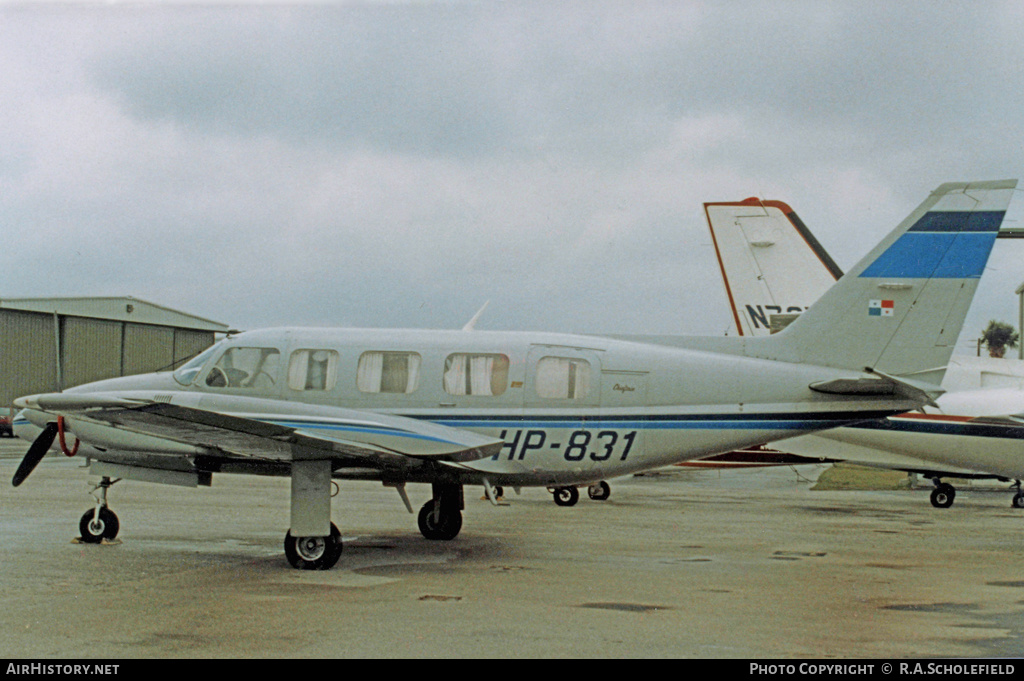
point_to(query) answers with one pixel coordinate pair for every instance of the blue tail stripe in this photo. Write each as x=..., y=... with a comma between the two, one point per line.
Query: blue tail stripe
x=940, y=255
x=959, y=221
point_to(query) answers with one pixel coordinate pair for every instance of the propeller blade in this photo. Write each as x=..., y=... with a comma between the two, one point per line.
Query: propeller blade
x=35, y=453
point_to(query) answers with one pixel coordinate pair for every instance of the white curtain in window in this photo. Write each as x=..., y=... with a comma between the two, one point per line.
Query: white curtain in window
x=562, y=378
x=370, y=371
x=581, y=385
x=297, y=369
x=455, y=375
x=481, y=367
x=322, y=370
x=414, y=372
x=552, y=377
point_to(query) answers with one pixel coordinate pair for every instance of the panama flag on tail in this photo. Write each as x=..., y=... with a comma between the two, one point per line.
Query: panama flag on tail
x=900, y=310
x=881, y=308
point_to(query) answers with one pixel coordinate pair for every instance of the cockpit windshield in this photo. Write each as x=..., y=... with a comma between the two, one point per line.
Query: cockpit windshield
x=188, y=371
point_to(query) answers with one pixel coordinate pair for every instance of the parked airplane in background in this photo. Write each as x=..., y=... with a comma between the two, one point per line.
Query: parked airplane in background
x=774, y=269
x=456, y=408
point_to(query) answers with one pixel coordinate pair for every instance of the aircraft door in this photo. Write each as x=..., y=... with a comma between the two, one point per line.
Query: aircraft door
x=558, y=376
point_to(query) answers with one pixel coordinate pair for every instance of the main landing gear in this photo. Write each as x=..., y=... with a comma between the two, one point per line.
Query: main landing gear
x=944, y=494
x=1018, y=497
x=313, y=553
x=313, y=542
x=441, y=517
x=568, y=496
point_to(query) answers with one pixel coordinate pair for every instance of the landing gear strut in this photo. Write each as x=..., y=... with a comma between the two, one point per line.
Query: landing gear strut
x=313, y=542
x=99, y=523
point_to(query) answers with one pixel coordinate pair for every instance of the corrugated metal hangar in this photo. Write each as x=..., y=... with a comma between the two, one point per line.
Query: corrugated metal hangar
x=49, y=344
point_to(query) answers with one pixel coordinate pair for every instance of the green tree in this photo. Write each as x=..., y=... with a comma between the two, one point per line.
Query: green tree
x=998, y=336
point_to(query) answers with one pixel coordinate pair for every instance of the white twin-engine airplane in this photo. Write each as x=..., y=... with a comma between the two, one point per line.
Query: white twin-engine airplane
x=773, y=269
x=456, y=408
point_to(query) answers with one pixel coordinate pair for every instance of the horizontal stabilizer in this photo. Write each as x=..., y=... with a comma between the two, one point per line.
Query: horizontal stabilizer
x=883, y=384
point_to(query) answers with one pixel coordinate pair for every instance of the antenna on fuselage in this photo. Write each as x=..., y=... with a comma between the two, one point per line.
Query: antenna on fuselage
x=472, y=322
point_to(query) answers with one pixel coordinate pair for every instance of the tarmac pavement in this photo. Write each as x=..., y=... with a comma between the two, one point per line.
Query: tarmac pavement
x=701, y=564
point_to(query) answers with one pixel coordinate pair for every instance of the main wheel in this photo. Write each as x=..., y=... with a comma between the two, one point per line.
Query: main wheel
x=567, y=496
x=599, y=491
x=95, y=528
x=1018, y=500
x=943, y=496
x=313, y=553
x=444, y=527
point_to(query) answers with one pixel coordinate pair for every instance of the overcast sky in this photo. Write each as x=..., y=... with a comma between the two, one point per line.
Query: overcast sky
x=399, y=164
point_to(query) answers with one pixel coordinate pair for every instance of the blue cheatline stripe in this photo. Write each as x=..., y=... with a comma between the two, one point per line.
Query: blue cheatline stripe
x=781, y=421
x=373, y=430
x=1011, y=432
x=937, y=255
x=959, y=221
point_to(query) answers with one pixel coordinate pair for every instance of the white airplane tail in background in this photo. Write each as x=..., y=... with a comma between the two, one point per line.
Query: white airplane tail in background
x=772, y=266
x=900, y=310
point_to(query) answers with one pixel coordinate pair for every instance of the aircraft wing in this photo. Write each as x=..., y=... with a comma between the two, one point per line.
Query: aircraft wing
x=270, y=430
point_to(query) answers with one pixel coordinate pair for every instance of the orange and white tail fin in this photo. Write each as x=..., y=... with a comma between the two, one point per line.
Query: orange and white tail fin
x=771, y=264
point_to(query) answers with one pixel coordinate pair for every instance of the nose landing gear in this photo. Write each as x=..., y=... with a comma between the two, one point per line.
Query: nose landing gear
x=100, y=522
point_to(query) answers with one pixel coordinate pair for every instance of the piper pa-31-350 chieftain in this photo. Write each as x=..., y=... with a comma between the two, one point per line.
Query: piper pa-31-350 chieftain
x=773, y=268
x=455, y=408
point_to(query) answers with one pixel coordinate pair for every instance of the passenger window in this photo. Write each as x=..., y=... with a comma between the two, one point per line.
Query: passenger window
x=313, y=370
x=563, y=378
x=245, y=368
x=388, y=372
x=475, y=374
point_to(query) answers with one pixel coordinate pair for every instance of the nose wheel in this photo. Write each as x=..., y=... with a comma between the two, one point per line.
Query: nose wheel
x=100, y=522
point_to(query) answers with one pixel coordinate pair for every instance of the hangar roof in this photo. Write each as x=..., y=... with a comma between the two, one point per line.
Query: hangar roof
x=122, y=309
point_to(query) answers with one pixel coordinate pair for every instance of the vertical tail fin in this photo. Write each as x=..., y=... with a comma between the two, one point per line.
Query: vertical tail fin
x=901, y=308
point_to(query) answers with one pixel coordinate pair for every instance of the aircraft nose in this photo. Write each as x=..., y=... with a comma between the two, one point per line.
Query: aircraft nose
x=23, y=428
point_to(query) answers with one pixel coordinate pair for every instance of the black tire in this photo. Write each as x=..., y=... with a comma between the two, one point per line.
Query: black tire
x=1018, y=500
x=446, y=528
x=313, y=553
x=95, y=529
x=599, y=491
x=566, y=496
x=943, y=496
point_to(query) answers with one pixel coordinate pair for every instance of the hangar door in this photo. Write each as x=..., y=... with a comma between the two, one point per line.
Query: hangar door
x=29, y=355
x=90, y=350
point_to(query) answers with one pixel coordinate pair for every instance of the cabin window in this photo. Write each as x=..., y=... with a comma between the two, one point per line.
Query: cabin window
x=188, y=371
x=562, y=378
x=475, y=374
x=388, y=372
x=245, y=368
x=313, y=370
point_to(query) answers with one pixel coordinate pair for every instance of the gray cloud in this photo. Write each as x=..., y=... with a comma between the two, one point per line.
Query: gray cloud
x=398, y=164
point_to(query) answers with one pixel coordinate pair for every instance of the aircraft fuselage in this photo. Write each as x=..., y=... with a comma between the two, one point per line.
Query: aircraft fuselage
x=570, y=409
